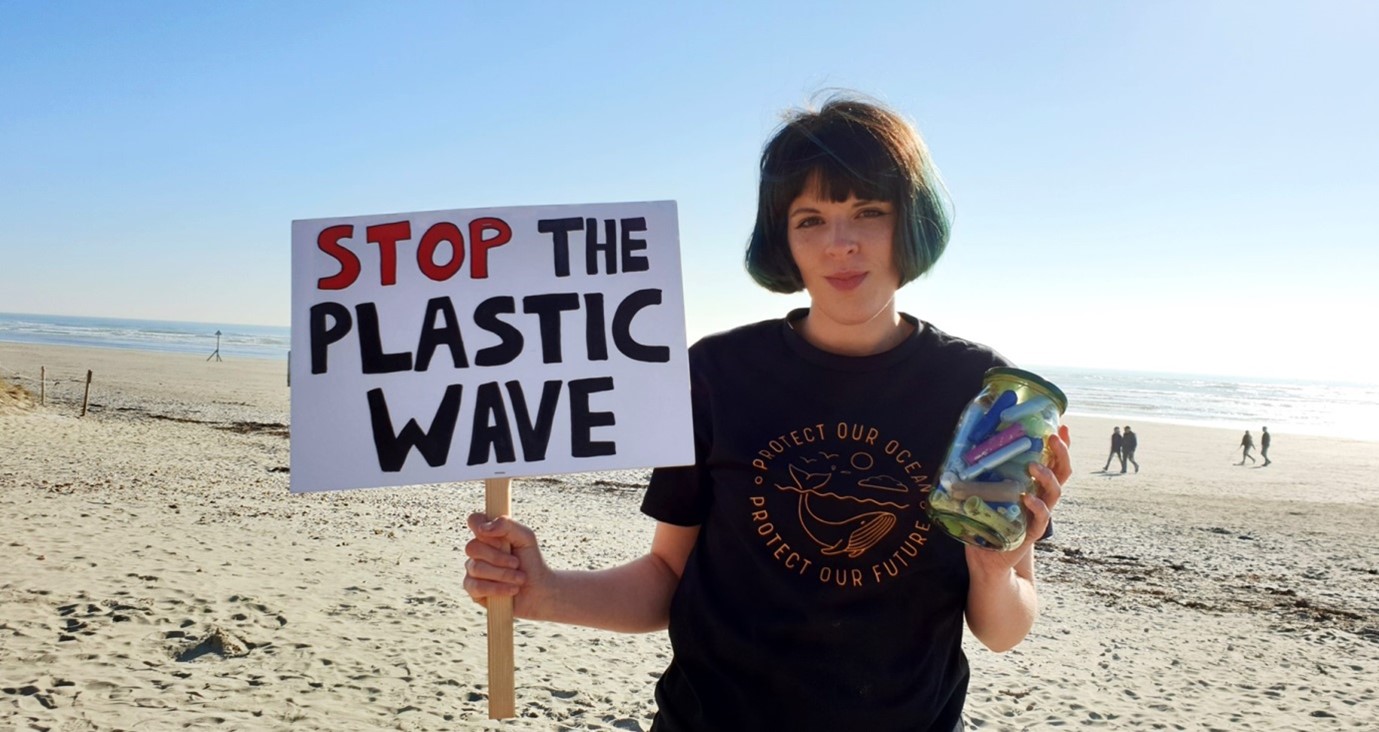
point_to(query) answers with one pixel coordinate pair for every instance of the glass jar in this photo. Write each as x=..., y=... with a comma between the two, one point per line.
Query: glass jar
x=1003, y=429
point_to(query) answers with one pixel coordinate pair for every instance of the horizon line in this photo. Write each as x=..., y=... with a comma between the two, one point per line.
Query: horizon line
x=1335, y=379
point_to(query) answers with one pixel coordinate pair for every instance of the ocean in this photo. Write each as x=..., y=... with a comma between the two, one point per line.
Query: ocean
x=1287, y=406
x=168, y=336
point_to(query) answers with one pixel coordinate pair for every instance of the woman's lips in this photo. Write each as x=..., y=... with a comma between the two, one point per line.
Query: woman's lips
x=846, y=280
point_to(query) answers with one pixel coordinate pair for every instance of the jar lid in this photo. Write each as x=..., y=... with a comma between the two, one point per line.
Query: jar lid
x=1034, y=380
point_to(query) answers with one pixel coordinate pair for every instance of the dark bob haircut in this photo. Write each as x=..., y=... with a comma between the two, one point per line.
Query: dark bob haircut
x=855, y=148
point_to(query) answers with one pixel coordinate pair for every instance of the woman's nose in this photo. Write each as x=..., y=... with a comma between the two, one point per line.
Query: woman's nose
x=842, y=239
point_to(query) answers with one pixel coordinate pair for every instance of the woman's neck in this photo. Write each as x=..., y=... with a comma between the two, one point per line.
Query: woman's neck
x=877, y=335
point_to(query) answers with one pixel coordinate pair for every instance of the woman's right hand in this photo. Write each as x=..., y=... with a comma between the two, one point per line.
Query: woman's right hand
x=494, y=571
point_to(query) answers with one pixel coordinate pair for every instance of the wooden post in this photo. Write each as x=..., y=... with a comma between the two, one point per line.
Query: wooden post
x=42, y=385
x=87, y=394
x=501, y=692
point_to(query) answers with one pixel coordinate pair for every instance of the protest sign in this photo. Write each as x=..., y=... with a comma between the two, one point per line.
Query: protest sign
x=454, y=345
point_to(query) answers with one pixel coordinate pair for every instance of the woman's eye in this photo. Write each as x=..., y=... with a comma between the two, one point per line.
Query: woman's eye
x=808, y=222
x=870, y=213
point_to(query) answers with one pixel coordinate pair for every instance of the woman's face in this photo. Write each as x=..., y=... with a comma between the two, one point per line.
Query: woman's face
x=845, y=253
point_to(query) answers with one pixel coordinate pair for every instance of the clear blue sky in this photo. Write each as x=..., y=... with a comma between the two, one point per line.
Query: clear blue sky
x=1179, y=186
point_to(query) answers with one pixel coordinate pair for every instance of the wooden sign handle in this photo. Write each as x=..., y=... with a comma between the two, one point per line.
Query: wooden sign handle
x=501, y=691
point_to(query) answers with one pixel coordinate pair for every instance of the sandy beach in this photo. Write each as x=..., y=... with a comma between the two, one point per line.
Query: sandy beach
x=157, y=574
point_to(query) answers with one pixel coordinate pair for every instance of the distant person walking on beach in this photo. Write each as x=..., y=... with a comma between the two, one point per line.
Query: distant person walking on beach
x=1128, y=446
x=1264, y=446
x=1117, y=444
x=1247, y=443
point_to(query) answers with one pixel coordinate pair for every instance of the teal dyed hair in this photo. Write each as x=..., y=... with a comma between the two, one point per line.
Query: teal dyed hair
x=855, y=148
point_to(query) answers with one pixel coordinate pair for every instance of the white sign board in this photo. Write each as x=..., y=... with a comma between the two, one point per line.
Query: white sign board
x=482, y=343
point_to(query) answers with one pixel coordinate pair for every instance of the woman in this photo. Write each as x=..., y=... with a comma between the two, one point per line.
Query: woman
x=1247, y=444
x=802, y=582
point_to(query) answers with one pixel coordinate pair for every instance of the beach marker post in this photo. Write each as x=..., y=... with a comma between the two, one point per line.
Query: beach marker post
x=86, y=394
x=42, y=385
x=216, y=354
x=501, y=669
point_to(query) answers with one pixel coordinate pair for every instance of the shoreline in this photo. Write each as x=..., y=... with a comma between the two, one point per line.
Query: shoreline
x=1236, y=427
x=5, y=342
x=1282, y=428
x=159, y=571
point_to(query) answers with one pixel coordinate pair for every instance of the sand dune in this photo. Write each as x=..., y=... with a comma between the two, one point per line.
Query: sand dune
x=157, y=574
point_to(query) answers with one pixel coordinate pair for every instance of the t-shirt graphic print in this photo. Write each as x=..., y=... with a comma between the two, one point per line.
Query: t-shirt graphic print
x=843, y=493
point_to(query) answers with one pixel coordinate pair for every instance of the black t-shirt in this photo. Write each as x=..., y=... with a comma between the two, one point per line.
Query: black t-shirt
x=819, y=596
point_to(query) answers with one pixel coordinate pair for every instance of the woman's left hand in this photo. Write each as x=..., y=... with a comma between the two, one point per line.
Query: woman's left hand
x=1050, y=482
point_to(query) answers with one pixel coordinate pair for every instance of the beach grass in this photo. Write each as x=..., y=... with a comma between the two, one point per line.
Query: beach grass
x=15, y=398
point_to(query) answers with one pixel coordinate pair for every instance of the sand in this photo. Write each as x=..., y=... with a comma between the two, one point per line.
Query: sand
x=157, y=574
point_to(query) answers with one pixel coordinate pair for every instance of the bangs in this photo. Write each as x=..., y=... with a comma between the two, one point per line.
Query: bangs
x=835, y=162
